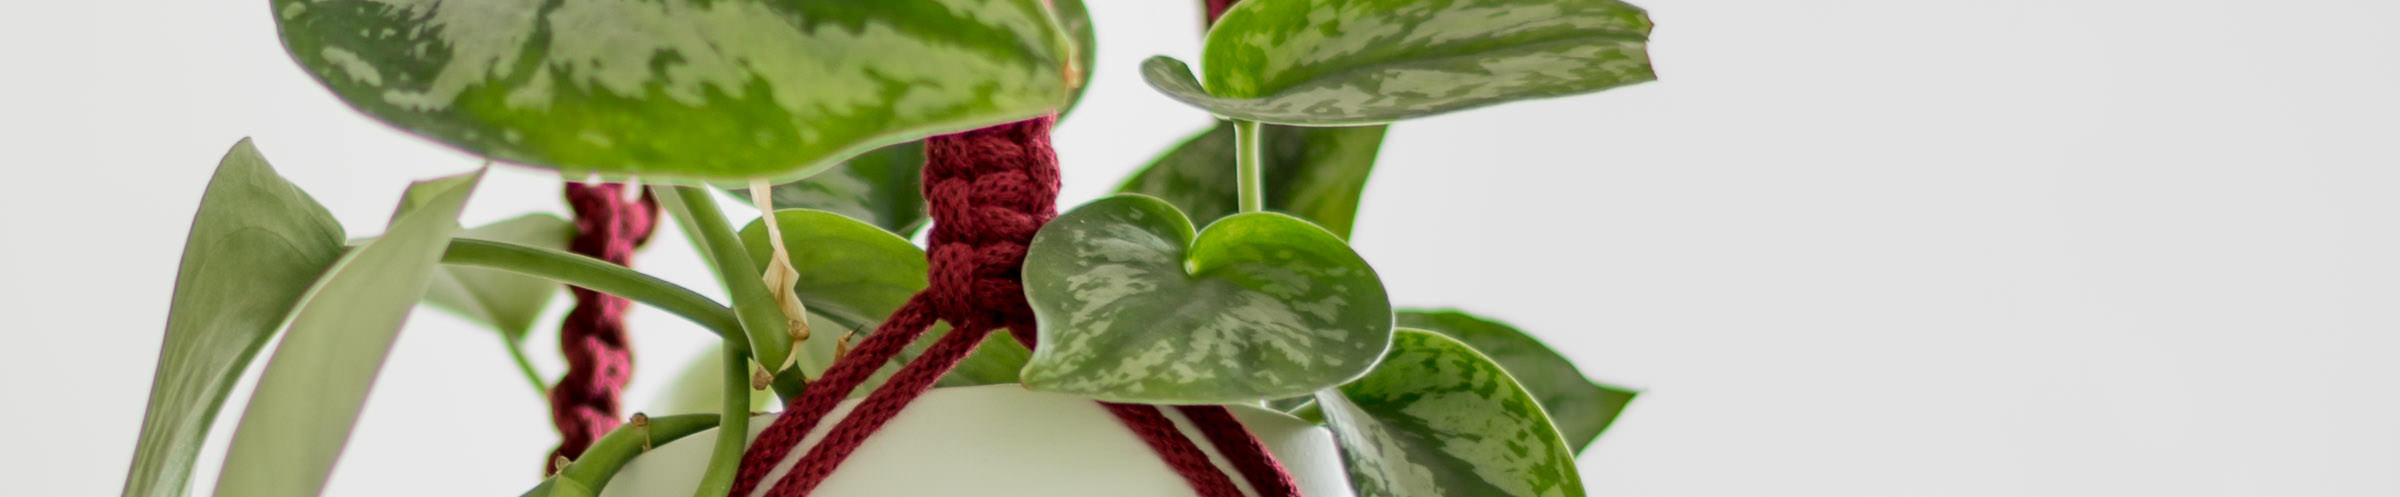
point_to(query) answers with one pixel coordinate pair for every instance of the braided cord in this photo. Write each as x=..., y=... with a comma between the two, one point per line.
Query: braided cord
x=585, y=403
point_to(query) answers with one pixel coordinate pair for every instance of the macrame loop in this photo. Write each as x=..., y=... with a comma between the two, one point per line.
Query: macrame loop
x=989, y=191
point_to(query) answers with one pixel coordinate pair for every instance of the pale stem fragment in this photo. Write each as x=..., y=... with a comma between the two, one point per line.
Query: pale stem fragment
x=780, y=276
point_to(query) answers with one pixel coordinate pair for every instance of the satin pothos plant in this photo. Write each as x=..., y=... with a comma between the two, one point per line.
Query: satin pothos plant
x=1220, y=275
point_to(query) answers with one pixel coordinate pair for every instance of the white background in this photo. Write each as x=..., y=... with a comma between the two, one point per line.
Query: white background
x=1861, y=247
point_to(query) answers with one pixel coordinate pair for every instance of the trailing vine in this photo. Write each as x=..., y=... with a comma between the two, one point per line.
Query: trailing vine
x=1218, y=281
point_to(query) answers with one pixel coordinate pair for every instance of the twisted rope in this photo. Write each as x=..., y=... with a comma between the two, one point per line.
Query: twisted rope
x=584, y=404
x=989, y=191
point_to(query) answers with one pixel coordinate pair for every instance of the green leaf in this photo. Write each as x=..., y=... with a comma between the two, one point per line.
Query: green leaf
x=1581, y=409
x=719, y=90
x=1350, y=62
x=1077, y=21
x=1438, y=419
x=880, y=187
x=310, y=394
x=1133, y=307
x=1314, y=173
x=855, y=275
x=996, y=361
x=256, y=246
x=506, y=301
x=699, y=388
x=848, y=269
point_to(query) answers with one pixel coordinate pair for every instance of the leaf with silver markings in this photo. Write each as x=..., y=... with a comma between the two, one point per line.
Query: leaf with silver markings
x=1438, y=419
x=1135, y=307
x=1353, y=62
x=726, y=90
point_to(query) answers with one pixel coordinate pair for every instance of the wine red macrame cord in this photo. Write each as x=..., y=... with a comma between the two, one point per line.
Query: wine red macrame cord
x=584, y=404
x=989, y=191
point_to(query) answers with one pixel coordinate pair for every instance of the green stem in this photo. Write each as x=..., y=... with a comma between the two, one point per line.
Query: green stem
x=762, y=319
x=516, y=351
x=733, y=429
x=596, y=275
x=600, y=463
x=1246, y=156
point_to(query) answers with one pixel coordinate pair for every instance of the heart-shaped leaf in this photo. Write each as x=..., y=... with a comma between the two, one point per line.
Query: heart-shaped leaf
x=855, y=275
x=1350, y=62
x=1314, y=173
x=310, y=394
x=255, y=247
x=1437, y=419
x=508, y=302
x=1580, y=408
x=1133, y=307
x=723, y=90
x=879, y=187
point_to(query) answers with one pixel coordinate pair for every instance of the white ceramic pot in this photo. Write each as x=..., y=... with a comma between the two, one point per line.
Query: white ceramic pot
x=999, y=441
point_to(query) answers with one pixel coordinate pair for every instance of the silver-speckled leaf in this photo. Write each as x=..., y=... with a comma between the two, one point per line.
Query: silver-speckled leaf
x=1437, y=419
x=1350, y=62
x=1581, y=408
x=1134, y=307
x=1077, y=21
x=1314, y=173
x=681, y=89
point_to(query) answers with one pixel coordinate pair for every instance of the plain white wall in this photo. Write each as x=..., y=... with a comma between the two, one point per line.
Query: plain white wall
x=1855, y=247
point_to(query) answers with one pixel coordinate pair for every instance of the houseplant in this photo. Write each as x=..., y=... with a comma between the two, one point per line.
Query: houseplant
x=1222, y=277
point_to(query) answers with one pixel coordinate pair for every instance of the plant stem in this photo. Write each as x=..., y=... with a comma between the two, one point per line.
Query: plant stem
x=516, y=351
x=761, y=317
x=780, y=275
x=596, y=275
x=1247, y=163
x=600, y=463
x=733, y=427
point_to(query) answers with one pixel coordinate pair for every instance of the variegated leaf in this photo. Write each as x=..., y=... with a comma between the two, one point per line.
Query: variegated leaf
x=1437, y=419
x=1350, y=62
x=1314, y=173
x=1077, y=21
x=678, y=89
x=1133, y=307
x=1581, y=408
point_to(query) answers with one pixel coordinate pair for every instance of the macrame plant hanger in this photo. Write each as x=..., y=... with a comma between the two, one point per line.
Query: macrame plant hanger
x=584, y=404
x=988, y=191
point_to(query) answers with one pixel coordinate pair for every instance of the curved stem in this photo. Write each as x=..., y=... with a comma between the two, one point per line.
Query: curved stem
x=733, y=429
x=754, y=308
x=1247, y=163
x=597, y=275
x=609, y=454
x=761, y=317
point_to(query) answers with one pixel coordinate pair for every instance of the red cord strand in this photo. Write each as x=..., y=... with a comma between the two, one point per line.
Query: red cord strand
x=802, y=415
x=584, y=404
x=989, y=191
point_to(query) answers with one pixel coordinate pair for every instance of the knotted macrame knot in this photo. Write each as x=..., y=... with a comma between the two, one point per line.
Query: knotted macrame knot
x=989, y=190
